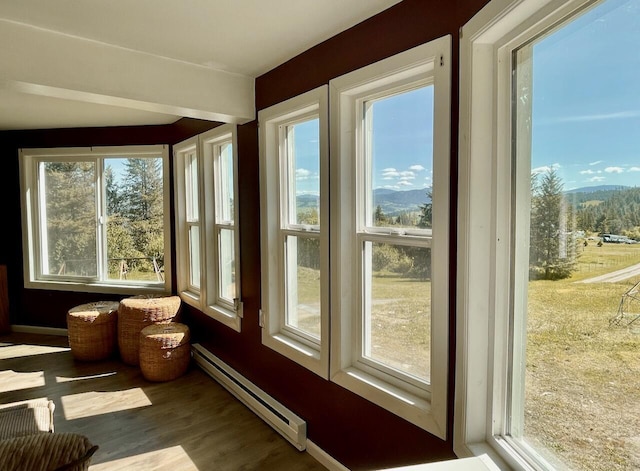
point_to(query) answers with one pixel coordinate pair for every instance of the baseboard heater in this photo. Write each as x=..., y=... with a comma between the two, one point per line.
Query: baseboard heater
x=281, y=419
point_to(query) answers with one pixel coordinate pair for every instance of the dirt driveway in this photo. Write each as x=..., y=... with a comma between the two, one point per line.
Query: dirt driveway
x=615, y=276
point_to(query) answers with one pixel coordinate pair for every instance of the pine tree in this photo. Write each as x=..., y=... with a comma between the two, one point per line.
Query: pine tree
x=552, y=253
x=426, y=212
x=142, y=206
x=71, y=217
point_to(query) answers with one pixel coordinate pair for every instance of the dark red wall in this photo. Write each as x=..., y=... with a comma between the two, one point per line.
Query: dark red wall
x=49, y=308
x=352, y=430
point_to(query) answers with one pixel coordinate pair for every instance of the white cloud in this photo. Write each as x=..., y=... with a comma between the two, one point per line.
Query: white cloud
x=417, y=168
x=303, y=174
x=596, y=179
x=634, y=169
x=405, y=183
x=587, y=172
x=390, y=172
x=407, y=174
x=594, y=117
x=408, y=177
x=614, y=170
x=596, y=162
x=542, y=169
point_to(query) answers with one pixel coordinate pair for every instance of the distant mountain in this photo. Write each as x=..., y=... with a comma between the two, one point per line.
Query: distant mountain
x=593, y=189
x=307, y=201
x=392, y=202
x=596, y=194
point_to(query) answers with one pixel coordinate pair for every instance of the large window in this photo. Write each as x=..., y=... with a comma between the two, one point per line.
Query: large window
x=547, y=347
x=390, y=226
x=294, y=187
x=384, y=234
x=206, y=236
x=94, y=219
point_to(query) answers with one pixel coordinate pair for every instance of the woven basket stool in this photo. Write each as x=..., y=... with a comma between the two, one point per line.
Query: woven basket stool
x=92, y=330
x=165, y=351
x=136, y=313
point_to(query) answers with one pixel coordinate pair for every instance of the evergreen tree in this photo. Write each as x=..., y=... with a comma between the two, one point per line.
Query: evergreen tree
x=552, y=253
x=142, y=207
x=379, y=216
x=71, y=217
x=426, y=212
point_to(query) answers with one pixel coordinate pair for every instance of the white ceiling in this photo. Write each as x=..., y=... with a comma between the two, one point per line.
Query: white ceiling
x=80, y=63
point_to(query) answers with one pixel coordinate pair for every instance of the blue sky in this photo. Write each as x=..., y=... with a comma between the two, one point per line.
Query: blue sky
x=586, y=111
x=586, y=98
x=402, y=144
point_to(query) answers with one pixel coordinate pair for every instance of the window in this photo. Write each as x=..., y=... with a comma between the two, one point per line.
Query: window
x=294, y=188
x=547, y=352
x=390, y=223
x=206, y=237
x=94, y=219
x=386, y=295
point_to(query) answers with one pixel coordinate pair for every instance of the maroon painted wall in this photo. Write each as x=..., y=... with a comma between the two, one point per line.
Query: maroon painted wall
x=356, y=432
x=49, y=308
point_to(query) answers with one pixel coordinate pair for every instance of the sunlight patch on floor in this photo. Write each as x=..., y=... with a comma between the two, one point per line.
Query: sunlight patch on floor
x=168, y=458
x=9, y=378
x=8, y=351
x=89, y=404
x=67, y=379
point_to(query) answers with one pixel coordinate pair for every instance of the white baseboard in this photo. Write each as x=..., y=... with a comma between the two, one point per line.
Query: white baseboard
x=32, y=329
x=324, y=458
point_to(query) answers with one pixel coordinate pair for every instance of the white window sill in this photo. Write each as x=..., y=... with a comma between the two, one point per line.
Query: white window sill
x=476, y=463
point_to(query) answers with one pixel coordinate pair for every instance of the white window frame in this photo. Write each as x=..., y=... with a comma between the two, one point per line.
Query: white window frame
x=182, y=152
x=207, y=296
x=485, y=250
x=309, y=353
x=424, y=405
x=31, y=233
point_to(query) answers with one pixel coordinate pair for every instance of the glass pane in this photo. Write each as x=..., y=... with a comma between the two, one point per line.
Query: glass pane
x=399, y=145
x=224, y=184
x=303, y=284
x=304, y=172
x=397, y=321
x=577, y=147
x=227, y=265
x=69, y=220
x=135, y=218
x=191, y=187
x=194, y=256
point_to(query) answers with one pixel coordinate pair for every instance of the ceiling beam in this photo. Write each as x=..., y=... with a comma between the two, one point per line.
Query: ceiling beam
x=44, y=62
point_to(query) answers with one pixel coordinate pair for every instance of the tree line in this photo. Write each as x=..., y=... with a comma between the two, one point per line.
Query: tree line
x=135, y=222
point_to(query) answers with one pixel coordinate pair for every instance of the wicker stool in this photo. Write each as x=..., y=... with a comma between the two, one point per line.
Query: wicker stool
x=165, y=351
x=136, y=313
x=92, y=330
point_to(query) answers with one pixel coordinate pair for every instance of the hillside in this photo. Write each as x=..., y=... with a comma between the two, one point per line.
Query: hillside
x=391, y=202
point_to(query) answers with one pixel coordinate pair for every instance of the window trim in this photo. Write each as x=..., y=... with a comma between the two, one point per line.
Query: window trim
x=29, y=193
x=426, y=409
x=181, y=152
x=275, y=334
x=484, y=224
x=206, y=297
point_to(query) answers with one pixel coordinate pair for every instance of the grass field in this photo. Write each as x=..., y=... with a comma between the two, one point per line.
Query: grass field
x=582, y=399
x=583, y=374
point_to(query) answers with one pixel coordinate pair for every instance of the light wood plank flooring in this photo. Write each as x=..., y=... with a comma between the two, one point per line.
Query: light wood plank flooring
x=191, y=423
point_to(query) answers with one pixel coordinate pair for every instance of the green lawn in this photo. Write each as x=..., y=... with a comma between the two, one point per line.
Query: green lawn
x=583, y=374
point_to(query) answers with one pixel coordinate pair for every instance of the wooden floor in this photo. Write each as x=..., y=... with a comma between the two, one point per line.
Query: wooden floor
x=191, y=423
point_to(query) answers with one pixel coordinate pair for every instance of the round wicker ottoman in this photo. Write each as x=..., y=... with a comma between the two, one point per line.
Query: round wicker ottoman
x=165, y=351
x=92, y=330
x=136, y=313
